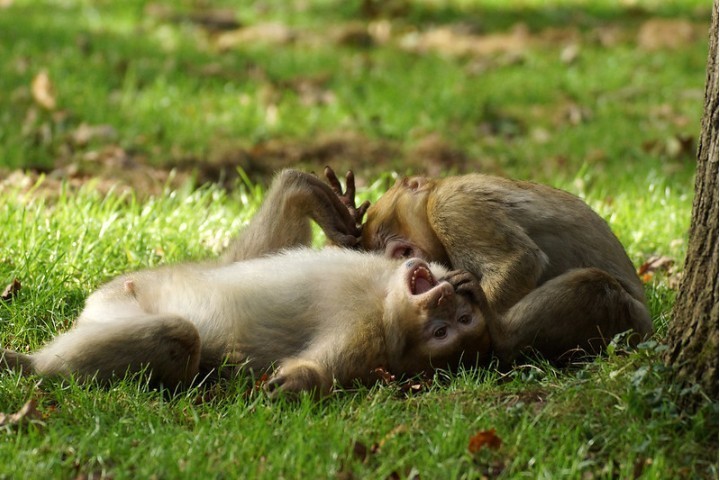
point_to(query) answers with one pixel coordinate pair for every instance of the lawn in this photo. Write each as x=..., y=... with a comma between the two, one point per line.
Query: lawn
x=114, y=116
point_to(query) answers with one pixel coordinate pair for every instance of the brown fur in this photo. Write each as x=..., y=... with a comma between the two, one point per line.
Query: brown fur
x=551, y=269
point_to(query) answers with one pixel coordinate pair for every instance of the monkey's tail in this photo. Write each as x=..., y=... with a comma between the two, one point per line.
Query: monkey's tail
x=18, y=362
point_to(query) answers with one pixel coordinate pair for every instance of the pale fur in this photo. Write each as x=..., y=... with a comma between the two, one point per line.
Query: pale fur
x=315, y=318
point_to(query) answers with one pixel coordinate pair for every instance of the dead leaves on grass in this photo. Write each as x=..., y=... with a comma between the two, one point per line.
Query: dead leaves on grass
x=27, y=415
x=406, y=387
x=365, y=454
x=484, y=439
x=10, y=291
x=43, y=91
x=458, y=40
x=479, y=443
x=657, y=266
x=83, y=151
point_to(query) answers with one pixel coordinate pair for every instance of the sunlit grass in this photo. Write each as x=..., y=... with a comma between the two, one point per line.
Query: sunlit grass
x=170, y=95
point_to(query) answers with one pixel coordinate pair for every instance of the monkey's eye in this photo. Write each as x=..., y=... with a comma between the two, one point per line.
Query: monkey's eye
x=440, y=332
x=402, y=251
x=465, y=319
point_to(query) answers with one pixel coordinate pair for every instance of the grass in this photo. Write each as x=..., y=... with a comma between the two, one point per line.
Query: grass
x=611, y=125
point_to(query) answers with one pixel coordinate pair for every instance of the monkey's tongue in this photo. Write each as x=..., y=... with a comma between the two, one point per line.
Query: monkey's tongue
x=421, y=281
x=422, y=285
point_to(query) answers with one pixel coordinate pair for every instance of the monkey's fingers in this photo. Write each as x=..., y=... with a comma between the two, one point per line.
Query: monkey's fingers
x=346, y=241
x=333, y=181
x=466, y=283
x=337, y=216
x=350, y=186
x=360, y=212
x=348, y=196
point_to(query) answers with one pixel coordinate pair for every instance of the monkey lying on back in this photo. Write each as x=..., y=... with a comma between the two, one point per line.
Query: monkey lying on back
x=551, y=269
x=318, y=317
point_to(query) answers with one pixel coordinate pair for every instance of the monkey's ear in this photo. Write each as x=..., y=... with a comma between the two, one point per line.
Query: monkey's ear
x=415, y=183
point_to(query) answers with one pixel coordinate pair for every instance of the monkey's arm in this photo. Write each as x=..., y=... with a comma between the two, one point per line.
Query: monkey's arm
x=480, y=238
x=294, y=198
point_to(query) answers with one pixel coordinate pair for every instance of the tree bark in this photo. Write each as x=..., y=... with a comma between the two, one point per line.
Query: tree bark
x=693, y=334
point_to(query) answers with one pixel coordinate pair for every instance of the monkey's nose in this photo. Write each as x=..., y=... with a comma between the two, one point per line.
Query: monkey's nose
x=412, y=263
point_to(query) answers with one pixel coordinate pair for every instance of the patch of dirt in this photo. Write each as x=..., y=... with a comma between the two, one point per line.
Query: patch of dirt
x=110, y=167
x=457, y=40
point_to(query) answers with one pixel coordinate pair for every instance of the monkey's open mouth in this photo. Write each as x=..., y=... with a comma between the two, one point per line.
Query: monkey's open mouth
x=421, y=280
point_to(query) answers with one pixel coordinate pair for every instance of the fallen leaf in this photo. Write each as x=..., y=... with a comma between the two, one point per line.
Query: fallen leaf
x=27, y=414
x=11, y=290
x=260, y=382
x=570, y=53
x=413, y=387
x=384, y=375
x=654, y=264
x=43, y=91
x=85, y=133
x=485, y=438
x=263, y=34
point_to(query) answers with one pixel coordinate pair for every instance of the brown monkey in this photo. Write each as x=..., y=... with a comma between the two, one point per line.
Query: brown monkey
x=317, y=317
x=552, y=271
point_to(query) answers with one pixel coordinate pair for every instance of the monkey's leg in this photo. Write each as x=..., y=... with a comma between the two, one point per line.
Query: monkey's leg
x=582, y=308
x=167, y=346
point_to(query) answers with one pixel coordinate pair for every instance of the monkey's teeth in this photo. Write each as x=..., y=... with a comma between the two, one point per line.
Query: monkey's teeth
x=421, y=281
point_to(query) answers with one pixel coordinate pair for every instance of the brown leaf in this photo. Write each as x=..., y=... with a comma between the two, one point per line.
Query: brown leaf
x=485, y=438
x=384, y=375
x=414, y=387
x=655, y=264
x=27, y=414
x=43, y=91
x=260, y=382
x=11, y=290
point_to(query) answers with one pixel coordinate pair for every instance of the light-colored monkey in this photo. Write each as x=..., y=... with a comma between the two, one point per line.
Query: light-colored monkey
x=315, y=317
x=552, y=271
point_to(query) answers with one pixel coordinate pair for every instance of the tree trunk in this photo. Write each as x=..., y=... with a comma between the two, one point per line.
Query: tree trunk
x=693, y=334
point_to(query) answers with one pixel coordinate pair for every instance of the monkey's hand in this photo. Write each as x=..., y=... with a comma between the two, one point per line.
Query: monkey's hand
x=465, y=283
x=296, y=376
x=348, y=197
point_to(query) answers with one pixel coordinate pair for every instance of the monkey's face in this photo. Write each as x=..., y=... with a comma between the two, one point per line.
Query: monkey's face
x=428, y=324
x=398, y=225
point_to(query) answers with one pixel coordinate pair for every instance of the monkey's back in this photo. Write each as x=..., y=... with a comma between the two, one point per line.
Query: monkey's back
x=562, y=225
